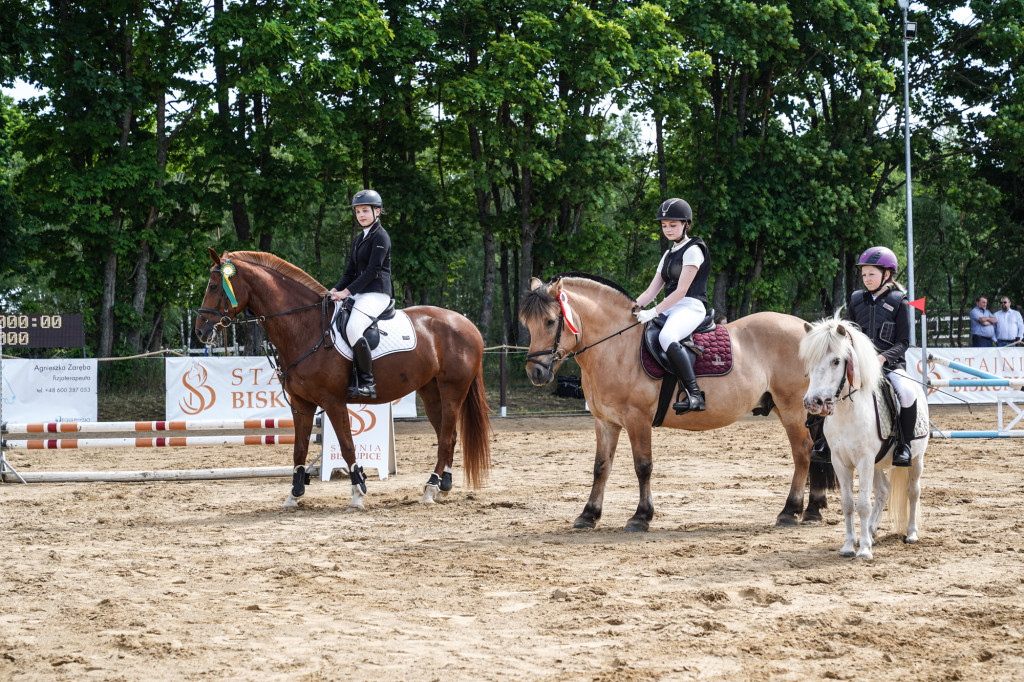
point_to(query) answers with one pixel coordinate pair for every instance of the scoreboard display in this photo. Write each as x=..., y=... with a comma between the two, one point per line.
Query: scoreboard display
x=42, y=331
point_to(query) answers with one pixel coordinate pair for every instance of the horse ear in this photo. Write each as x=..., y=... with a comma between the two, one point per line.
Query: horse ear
x=535, y=284
x=808, y=327
x=853, y=371
x=841, y=330
x=213, y=255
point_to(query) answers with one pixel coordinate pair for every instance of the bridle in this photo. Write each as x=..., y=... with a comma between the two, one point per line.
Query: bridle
x=227, y=270
x=556, y=353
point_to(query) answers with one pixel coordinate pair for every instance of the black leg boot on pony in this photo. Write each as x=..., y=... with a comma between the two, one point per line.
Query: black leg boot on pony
x=682, y=367
x=908, y=420
x=363, y=367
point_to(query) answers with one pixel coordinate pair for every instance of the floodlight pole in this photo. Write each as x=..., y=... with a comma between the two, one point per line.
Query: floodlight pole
x=905, y=5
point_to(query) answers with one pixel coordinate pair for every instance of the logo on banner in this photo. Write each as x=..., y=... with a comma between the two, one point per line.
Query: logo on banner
x=359, y=424
x=200, y=397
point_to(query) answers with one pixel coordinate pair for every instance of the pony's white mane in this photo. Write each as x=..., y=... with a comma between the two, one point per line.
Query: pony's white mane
x=824, y=339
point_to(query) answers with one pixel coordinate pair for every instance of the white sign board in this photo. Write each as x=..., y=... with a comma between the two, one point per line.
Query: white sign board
x=223, y=388
x=1007, y=363
x=49, y=390
x=373, y=434
x=405, y=407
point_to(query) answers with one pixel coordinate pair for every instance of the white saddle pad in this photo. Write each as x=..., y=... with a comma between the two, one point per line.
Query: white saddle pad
x=396, y=334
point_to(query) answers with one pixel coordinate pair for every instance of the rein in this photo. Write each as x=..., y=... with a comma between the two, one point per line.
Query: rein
x=555, y=354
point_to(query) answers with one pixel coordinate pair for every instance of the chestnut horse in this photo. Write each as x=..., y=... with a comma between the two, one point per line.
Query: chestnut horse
x=445, y=368
x=619, y=393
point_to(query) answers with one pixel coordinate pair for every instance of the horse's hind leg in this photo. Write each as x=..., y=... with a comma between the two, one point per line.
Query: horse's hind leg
x=444, y=423
x=914, y=495
x=800, y=444
x=607, y=439
x=881, y=489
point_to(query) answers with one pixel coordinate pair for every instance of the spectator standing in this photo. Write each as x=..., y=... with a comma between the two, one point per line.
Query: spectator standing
x=983, y=330
x=1009, y=324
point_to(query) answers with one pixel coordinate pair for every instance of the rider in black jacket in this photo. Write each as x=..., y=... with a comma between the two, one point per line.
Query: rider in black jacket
x=367, y=280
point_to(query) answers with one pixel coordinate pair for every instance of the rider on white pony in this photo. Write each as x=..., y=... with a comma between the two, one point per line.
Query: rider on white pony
x=883, y=314
x=683, y=272
x=367, y=280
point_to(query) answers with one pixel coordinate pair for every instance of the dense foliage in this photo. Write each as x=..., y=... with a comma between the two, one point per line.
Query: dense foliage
x=510, y=139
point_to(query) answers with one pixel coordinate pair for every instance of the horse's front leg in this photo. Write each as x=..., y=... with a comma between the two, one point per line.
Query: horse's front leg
x=607, y=440
x=844, y=473
x=302, y=414
x=866, y=474
x=639, y=431
x=337, y=412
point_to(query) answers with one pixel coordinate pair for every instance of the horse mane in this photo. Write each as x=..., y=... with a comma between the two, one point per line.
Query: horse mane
x=539, y=301
x=272, y=262
x=824, y=338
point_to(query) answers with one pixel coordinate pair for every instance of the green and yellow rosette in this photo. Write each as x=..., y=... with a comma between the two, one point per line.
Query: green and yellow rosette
x=227, y=271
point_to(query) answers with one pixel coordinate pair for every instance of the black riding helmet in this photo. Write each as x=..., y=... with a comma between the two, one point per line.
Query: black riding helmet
x=675, y=209
x=367, y=197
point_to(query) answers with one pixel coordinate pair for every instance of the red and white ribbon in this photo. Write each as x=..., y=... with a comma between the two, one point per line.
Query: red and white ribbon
x=563, y=300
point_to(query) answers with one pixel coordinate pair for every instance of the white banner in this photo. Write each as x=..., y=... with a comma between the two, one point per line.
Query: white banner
x=404, y=407
x=1007, y=363
x=49, y=390
x=373, y=434
x=223, y=388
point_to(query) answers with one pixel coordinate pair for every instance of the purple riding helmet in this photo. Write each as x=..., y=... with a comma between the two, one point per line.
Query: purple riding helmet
x=881, y=258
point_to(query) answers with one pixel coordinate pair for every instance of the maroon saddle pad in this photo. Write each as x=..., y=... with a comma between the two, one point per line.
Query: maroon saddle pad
x=716, y=360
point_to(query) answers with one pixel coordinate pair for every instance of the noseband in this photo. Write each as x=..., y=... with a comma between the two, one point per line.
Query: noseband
x=555, y=353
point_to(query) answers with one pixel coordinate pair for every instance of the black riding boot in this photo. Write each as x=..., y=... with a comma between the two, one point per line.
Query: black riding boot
x=820, y=451
x=682, y=367
x=908, y=420
x=363, y=364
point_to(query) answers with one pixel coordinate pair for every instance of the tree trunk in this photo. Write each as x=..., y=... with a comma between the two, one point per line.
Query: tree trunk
x=719, y=300
x=839, y=281
x=107, y=304
x=659, y=141
x=139, y=295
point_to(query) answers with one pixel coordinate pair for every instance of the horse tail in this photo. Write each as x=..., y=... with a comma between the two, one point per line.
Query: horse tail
x=823, y=476
x=898, y=511
x=475, y=426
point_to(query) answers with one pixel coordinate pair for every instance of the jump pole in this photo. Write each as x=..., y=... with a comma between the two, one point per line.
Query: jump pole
x=181, y=425
x=167, y=475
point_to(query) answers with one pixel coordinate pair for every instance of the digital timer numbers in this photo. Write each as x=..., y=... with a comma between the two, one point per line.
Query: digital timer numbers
x=28, y=321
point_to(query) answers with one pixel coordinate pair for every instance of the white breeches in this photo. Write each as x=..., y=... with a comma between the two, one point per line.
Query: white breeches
x=903, y=385
x=365, y=307
x=683, y=318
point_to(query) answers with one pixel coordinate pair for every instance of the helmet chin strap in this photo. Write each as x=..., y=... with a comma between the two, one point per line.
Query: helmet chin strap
x=686, y=231
x=886, y=280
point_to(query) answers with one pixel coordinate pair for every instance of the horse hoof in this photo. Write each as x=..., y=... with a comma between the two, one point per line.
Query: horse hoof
x=847, y=552
x=637, y=526
x=290, y=502
x=910, y=539
x=584, y=522
x=865, y=554
x=786, y=519
x=429, y=491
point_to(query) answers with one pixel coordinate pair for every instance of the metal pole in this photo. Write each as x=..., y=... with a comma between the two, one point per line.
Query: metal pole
x=910, y=194
x=501, y=383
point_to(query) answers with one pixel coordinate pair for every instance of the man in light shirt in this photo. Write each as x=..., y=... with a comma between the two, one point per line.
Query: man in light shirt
x=1009, y=324
x=983, y=331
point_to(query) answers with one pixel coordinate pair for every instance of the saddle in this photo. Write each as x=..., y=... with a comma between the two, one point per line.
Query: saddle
x=372, y=333
x=887, y=416
x=711, y=345
x=392, y=332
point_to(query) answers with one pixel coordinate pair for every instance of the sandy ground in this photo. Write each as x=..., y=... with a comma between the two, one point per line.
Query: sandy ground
x=214, y=580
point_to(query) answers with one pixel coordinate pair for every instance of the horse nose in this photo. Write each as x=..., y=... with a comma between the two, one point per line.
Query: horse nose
x=813, y=405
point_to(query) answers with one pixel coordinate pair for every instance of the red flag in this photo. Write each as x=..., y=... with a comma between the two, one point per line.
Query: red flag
x=919, y=304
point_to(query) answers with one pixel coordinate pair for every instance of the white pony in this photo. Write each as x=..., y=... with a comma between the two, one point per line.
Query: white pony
x=845, y=376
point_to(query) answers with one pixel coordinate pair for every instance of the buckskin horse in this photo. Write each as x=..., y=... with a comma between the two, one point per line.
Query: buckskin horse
x=445, y=368
x=621, y=395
